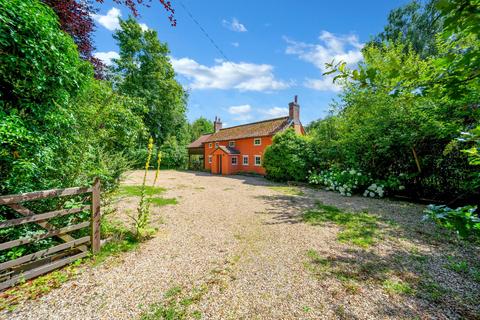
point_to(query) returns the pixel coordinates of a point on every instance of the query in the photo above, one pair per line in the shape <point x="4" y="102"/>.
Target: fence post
<point x="95" y="232"/>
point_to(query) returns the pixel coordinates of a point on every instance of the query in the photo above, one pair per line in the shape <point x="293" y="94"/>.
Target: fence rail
<point x="32" y="265"/>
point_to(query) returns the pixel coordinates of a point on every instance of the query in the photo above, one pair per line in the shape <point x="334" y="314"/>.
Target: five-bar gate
<point x="43" y="261"/>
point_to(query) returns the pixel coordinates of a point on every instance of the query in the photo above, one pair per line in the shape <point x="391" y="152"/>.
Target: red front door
<point x="219" y="164"/>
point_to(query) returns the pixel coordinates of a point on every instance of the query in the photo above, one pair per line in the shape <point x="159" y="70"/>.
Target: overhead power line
<point x="204" y="32"/>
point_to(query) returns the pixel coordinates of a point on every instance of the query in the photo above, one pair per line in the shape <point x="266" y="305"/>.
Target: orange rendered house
<point x="241" y="148"/>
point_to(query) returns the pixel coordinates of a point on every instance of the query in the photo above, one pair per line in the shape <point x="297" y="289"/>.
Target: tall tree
<point x="415" y="24"/>
<point x="199" y="127"/>
<point x="144" y="70"/>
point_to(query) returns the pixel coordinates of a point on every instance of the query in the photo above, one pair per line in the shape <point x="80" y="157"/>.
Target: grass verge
<point x="360" y="228"/>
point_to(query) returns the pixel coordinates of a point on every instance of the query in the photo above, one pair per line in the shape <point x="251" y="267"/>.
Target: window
<point x="257" y="141"/>
<point x="258" y="160"/>
<point x="209" y="159"/>
<point x="245" y="160"/>
<point x="216" y="144"/>
<point x="231" y="143"/>
<point x="210" y="145"/>
<point x="234" y="161"/>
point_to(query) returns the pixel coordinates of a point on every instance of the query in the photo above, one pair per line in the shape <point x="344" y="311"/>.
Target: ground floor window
<point x="258" y="160"/>
<point x="234" y="161"/>
<point x="245" y="160"/>
<point x="209" y="159"/>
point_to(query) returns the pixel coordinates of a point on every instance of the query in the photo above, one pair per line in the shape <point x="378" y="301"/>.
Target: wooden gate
<point x="43" y="261"/>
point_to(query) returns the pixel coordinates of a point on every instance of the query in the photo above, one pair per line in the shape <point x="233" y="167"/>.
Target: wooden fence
<point x="43" y="261"/>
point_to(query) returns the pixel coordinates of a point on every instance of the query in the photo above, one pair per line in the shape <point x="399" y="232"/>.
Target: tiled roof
<point x="199" y="142"/>
<point x="250" y="130"/>
<point x="228" y="150"/>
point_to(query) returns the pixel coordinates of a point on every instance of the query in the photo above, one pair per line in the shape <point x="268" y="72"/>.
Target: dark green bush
<point x="288" y="158"/>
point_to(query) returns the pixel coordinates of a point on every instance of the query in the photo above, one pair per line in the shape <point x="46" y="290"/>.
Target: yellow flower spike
<point x="159" y="159"/>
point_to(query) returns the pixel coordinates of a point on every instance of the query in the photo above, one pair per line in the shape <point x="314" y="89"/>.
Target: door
<point x="219" y="163"/>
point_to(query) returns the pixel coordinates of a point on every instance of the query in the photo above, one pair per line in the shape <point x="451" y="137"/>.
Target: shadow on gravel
<point x="252" y="180"/>
<point x="406" y="285"/>
<point x="286" y="208"/>
<point x="413" y="269"/>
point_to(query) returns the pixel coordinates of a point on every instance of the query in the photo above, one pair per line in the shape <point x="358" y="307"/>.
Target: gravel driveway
<point x="238" y="248"/>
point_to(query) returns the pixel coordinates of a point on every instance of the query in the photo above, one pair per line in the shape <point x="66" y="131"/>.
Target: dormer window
<point x="257" y="141"/>
<point x="216" y="144"/>
<point x="210" y="145"/>
<point x="231" y="143"/>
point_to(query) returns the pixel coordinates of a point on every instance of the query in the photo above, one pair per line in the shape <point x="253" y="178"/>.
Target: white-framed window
<point x="245" y="160"/>
<point x="257" y="141"/>
<point x="234" y="161"/>
<point x="258" y="160"/>
<point x="210" y="145"/>
<point x="209" y="159"/>
<point x="231" y="143"/>
<point x="216" y="144"/>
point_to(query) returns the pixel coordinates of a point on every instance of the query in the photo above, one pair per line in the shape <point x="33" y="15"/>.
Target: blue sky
<point x="275" y="50"/>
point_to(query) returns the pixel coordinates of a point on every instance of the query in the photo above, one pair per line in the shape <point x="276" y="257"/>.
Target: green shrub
<point x="174" y="155"/>
<point x="288" y="158"/>
<point x="462" y="220"/>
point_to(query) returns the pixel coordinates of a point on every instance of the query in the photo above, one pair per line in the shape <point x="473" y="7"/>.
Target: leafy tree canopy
<point x="144" y="71"/>
<point x="199" y="127"/>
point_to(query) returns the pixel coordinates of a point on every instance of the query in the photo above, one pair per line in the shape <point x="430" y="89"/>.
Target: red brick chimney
<point x="217" y="124"/>
<point x="294" y="111"/>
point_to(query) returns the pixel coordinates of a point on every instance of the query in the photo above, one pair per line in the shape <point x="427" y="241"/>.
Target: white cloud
<point x="275" y="112"/>
<point x="234" y="25"/>
<point x="346" y="48"/>
<point x="110" y="20"/>
<point x="235" y="44"/>
<point x="244" y="108"/>
<point x="143" y="26"/>
<point x="229" y="75"/>
<point x="106" y="57"/>
<point x="324" y="84"/>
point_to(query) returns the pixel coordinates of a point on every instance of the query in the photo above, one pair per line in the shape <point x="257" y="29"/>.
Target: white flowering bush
<point x="375" y="190"/>
<point x="346" y="182"/>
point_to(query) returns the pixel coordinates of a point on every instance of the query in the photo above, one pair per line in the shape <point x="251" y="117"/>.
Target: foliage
<point x="463" y="220"/>
<point x="288" y="158"/>
<point x="199" y="127"/>
<point x="387" y="132"/>
<point x="144" y="71"/>
<point x="174" y="155"/>
<point x="414" y="24"/>
<point x="76" y="19"/>
<point x="36" y="112"/>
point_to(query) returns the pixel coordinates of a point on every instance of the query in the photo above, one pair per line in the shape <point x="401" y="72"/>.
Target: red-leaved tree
<point x="75" y="17"/>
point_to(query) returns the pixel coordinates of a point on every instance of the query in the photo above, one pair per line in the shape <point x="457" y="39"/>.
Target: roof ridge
<point x="247" y="124"/>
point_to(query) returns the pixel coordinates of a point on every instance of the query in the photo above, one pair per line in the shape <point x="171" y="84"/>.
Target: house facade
<point x="241" y="148"/>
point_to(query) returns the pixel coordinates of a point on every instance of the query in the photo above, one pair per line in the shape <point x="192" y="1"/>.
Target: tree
<point x="416" y="25"/>
<point x="199" y="127"/>
<point x="144" y="71"/>
<point x="75" y="17"/>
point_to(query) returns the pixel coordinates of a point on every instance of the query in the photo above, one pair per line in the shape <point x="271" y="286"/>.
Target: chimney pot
<point x="217" y="124"/>
<point x="294" y="111"/>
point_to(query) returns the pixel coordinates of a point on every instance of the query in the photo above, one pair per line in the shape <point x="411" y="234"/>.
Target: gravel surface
<point x="244" y="245"/>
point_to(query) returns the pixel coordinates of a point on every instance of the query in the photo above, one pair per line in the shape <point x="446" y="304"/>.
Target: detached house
<point x="241" y="148"/>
